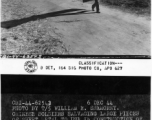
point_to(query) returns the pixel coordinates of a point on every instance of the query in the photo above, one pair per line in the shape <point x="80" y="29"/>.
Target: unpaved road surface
<point x="112" y="32"/>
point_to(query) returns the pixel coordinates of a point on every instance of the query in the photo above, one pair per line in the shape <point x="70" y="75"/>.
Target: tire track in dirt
<point x="105" y="33"/>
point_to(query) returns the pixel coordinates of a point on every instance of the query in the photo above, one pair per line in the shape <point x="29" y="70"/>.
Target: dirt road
<point x="112" y="32"/>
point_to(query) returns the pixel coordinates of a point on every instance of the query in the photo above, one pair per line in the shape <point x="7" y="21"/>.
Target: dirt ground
<point x="84" y="32"/>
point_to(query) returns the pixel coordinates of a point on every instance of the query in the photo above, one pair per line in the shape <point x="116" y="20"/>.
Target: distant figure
<point x="96" y="4"/>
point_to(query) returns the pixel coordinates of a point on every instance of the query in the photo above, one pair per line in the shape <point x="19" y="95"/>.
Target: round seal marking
<point x="30" y="66"/>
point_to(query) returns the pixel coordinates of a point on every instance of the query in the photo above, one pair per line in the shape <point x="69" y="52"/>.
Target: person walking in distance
<point x="96" y="4"/>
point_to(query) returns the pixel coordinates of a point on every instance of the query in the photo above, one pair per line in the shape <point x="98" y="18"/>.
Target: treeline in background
<point x="140" y="6"/>
<point x="128" y="3"/>
<point x="136" y="6"/>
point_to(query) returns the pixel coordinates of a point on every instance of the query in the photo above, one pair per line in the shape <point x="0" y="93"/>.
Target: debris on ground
<point x="32" y="37"/>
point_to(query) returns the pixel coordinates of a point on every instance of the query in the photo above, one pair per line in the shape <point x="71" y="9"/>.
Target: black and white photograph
<point x="75" y="97"/>
<point x="98" y="64"/>
<point x="75" y="27"/>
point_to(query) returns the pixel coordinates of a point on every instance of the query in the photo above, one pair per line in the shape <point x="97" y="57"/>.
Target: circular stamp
<point x="30" y="66"/>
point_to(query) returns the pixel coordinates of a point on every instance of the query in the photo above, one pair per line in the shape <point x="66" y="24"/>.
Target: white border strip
<point x="125" y="67"/>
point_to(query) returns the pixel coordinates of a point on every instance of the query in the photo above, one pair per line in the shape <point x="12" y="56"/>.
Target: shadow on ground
<point x="14" y="23"/>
